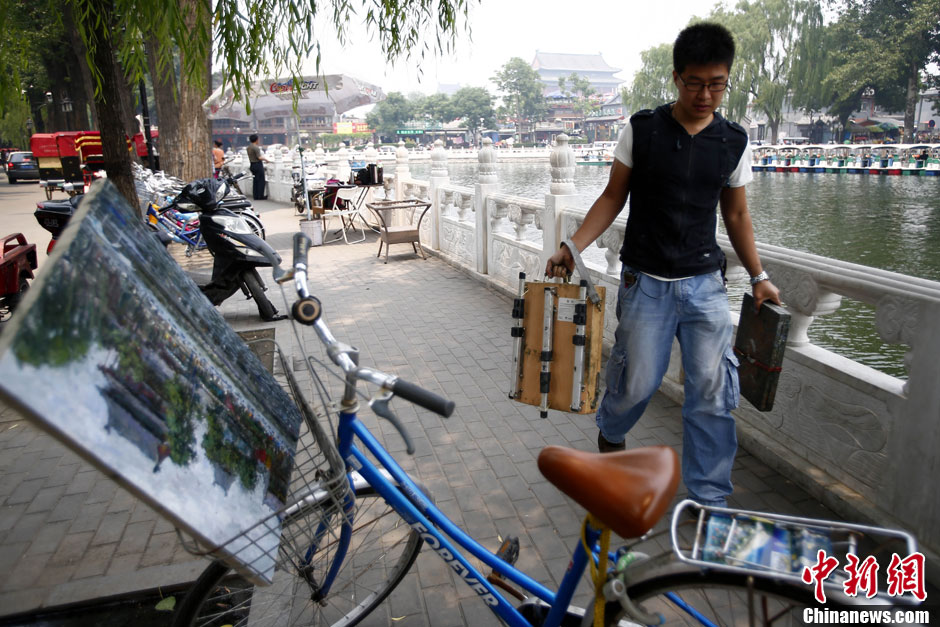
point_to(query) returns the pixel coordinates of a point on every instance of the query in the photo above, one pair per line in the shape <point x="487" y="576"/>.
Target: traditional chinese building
<point x="551" y="66"/>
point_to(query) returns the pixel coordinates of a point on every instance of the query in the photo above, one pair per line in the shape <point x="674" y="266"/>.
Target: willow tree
<point x="887" y="46"/>
<point x="249" y="40"/>
<point x="652" y="84"/>
<point x="768" y="35"/>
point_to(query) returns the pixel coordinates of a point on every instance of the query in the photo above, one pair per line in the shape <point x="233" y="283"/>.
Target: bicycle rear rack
<point x="759" y="543"/>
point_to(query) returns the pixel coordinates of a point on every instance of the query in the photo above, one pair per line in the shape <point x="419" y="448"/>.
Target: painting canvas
<point x="117" y="352"/>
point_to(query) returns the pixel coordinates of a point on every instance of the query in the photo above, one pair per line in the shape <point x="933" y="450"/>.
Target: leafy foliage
<point x="475" y="106"/>
<point x="883" y="45"/>
<point x="521" y="88"/>
<point x="769" y="35"/>
<point x="390" y="114"/>
<point x="581" y="93"/>
<point x="652" y="85"/>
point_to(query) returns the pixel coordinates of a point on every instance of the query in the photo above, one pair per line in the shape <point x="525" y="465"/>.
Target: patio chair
<point x="346" y="204"/>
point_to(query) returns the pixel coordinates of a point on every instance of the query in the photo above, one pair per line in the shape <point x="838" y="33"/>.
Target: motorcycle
<point x="238" y="252"/>
<point x="53" y="215"/>
<point x="17" y="262"/>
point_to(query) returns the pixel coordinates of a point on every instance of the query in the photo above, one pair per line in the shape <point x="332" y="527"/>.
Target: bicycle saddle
<point x="628" y="491"/>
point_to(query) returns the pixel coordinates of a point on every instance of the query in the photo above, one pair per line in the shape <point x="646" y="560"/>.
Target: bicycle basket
<point x="319" y="488"/>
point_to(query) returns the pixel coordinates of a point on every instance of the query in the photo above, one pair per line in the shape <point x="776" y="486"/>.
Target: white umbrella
<point x="273" y="98"/>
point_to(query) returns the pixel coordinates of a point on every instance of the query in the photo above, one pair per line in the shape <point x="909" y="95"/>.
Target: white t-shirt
<point x="742" y="174"/>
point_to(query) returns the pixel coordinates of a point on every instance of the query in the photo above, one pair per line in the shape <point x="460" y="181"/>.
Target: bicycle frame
<point x="185" y="234"/>
<point x="443" y="535"/>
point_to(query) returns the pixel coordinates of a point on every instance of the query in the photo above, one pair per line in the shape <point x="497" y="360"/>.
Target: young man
<point x="256" y="165"/>
<point x="677" y="163"/>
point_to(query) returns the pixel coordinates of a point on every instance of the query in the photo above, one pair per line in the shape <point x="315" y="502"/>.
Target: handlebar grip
<point x="419" y="396"/>
<point x="302" y="244"/>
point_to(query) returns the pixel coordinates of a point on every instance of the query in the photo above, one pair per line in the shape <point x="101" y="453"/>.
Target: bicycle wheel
<point x="721" y="598"/>
<point x="256" y="227"/>
<point x="382" y="550"/>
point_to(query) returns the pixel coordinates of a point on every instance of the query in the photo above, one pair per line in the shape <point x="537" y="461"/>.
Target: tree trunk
<point x="194" y="142"/>
<point x="83" y="97"/>
<point x="117" y="161"/>
<point x="910" y="104"/>
<point x="165" y="96"/>
<point x="774" y="124"/>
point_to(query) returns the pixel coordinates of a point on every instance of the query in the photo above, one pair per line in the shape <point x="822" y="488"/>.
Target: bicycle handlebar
<point x="425" y="398"/>
<point x="306" y="311"/>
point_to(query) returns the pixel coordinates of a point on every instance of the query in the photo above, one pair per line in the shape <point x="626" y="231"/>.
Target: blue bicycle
<point x="357" y="529"/>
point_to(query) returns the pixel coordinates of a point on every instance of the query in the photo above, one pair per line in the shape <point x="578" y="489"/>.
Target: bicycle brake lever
<point x="380" y="406"/>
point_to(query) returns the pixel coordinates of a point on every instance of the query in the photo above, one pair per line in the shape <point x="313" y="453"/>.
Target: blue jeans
<point x="695" y="310"/>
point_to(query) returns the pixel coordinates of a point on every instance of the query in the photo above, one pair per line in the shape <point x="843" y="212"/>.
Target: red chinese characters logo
<point x="907" y="575"/>
<point x="864" y="575"/>
<point x="903" y="575"/>
<point x="819" y="572"/>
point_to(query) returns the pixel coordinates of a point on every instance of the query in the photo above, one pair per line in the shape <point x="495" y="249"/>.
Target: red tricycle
<point x="17" y="262"/>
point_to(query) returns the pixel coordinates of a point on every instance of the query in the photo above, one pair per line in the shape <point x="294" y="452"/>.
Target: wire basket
<point x="318" y="492"/>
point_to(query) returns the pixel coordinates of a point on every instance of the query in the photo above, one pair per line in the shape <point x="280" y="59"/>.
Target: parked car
<point x="21" y="166"/>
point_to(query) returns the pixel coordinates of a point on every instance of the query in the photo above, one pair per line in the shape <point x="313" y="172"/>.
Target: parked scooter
<point x="237" y="250"/>
<point x="53" y="215"/>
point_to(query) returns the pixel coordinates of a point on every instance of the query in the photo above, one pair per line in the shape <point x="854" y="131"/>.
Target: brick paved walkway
<point x="69" y="534"/>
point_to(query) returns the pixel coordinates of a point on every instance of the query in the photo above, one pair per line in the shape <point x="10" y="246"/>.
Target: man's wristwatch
<point x="763" y="276"/>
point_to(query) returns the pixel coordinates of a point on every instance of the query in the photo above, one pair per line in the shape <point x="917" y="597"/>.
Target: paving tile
<point x="25" y="491"/>
<point x="95" y="561"/>
<point x="83" y="482"/>
<point x="88" y="518"/>
<point x="72" y="548"/>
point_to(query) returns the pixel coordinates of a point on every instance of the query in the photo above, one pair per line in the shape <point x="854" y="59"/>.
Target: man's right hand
<point x="561" y="264"/>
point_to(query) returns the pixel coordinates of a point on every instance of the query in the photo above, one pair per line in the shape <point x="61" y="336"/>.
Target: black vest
<point x="675" y="185"/>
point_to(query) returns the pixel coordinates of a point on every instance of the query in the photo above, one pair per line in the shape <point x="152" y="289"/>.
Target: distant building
<point x="551" y="66"/>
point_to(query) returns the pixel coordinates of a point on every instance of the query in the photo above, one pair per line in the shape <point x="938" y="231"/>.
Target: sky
<point x="502" y="29"/>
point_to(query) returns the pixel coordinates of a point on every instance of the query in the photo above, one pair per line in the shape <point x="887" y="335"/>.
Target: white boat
<point x="594" y="158"/>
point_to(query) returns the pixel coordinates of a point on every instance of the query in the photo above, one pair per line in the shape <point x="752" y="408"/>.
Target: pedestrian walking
<point x="678" y="163"/>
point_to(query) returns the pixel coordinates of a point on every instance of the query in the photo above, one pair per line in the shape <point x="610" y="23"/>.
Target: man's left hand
<point x="765" y="290"/>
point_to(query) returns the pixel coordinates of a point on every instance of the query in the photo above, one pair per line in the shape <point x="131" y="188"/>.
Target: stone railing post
<point x="439" y="178"/>
<point x="319" y="155"/>
<point x="342" y="163"/>
<point x="561" y="194"/>
<point x="486" y="184"/>
<point x="371" y="154"/>
<point x="401" y="169"/>
<point x="805" y="300"/>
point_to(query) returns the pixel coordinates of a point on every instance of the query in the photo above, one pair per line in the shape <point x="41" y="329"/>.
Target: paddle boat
<point x="594" y="158"/>
<point x="884" y="160"/>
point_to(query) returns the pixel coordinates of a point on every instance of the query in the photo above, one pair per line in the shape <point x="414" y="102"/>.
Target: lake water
<point x="887" y="222"/>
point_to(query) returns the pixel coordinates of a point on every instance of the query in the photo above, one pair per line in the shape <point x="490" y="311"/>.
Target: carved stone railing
<point x="862" y="441"/>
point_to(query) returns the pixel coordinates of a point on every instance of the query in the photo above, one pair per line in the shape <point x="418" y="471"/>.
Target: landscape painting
<point x="117" y="352"/>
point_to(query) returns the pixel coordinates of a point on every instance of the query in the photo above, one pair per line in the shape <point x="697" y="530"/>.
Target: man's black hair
<point x="218" y="143"/>
<point x="704" y="43"/>
<point x="252" y="138"/>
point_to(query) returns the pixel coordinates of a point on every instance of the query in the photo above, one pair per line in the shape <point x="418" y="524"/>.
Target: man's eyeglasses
<point x="696" y="86"/>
